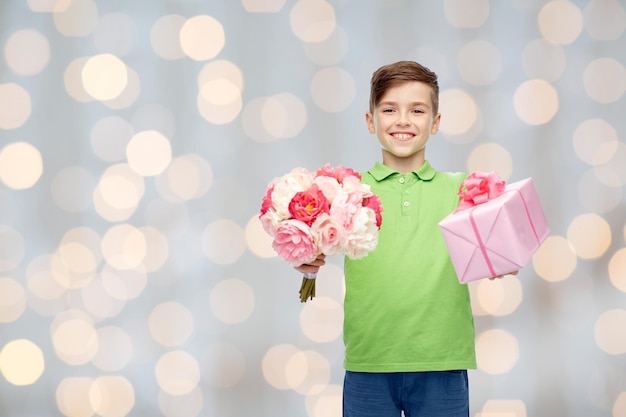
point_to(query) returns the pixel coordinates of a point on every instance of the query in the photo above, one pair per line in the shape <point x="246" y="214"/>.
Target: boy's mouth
<point x="402" y="136"/>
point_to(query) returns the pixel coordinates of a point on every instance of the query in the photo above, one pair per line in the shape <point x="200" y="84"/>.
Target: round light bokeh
<point x="608" y="331"/>
<point x="15" y="106"/>
<point x="171" y="324"/>
<point x="194" y="34"/>
<point x="27" y="52"/>
<point x="104" y="76"/>
<point x="459" y="112"/>
<point x="333" y="89"/>
<point x="555" y="260"/>
<point x="222" y="306"/>
<point x="223" y="241"/>
<point x="312" y="20"/>
<point x="22" y="362"/>
<point x="497" y="351"/>
<point x="560" y="22"/>
<point x="536" y="102"/>
<point x="177" y="372"/>
<point x="21" y="165"/>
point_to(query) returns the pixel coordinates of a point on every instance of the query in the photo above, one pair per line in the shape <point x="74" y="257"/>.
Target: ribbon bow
<point x="479" y="187"/>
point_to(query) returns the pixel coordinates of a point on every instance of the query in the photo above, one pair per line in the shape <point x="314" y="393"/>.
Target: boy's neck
<point x="404" y="165"/>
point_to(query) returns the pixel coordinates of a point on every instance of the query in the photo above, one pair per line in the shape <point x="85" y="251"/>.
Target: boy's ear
<point x="435" y="126"/>
<point x="369" y="119"/>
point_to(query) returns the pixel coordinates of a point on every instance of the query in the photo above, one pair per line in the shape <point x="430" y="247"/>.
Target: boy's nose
<point x="403" y="119"/>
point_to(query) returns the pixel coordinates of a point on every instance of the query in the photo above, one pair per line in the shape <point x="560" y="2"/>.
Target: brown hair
<point x="400" y="72"/>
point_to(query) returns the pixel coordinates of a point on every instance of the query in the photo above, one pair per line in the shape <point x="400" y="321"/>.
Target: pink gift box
<point x="498" y="236"/>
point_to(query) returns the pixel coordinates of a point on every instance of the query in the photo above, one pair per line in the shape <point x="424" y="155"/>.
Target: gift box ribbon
<point x="478" y="188"/>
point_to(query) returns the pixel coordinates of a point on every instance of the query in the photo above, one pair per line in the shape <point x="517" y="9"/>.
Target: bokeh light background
<point x="136" y="141"/>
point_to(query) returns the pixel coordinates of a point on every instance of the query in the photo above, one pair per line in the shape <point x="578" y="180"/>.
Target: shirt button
<point x="406" y="204"/>
<point x="401" y="180"/>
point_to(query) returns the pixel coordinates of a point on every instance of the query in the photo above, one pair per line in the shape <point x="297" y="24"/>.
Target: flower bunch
<point x="479" y="187"/>
<point x="324" y="212"/>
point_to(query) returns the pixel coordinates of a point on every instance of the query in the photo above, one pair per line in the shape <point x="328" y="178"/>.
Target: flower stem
<point x="307" y="289"/>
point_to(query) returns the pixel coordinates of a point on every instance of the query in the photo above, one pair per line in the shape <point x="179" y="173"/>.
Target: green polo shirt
<point x="405" y="310"/>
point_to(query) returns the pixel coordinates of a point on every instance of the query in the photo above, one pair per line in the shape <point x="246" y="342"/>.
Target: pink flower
<point x="329" y="186"/>
<point x="307" y="205"/>
<point x="479" y="187"/>
<point x="329" y="234"/>
<point x="266" y="204"/>
<point x="345" y="206"/>
<point x="375" y="204"/>
<point x="339" y="173"/>
<point x="294" y="244"/>
<point x="285" y="187"/>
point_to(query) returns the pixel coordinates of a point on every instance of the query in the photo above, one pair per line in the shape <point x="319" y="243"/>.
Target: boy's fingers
<point x="503" y="275"/>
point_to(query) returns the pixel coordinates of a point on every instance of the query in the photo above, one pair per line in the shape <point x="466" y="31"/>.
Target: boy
<point x="408" y="326"/>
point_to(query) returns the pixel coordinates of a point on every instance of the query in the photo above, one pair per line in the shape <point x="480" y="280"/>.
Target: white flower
<point x="344" y="208"/>
<point x="363" y="237"/>
<point x="270" y="221"/>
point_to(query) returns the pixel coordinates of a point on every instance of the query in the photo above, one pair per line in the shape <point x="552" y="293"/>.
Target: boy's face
<point x="403" y="121"/>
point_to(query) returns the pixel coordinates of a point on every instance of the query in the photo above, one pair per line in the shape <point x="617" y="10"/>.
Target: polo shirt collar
<point x="380" y="171"/>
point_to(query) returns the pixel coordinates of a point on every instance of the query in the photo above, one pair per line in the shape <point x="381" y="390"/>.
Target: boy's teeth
<point x="402" y="135"/>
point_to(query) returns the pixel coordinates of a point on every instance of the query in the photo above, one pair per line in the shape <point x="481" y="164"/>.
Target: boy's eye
<point x="418" y="111"/>
<point x="387" y="110"/>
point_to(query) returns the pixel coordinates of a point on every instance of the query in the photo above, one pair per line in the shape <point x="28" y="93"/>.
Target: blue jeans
<point x="417" y="394"/>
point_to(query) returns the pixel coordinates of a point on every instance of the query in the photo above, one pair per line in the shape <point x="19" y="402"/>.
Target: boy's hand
<point x="313" y="266"/>
<point x="503" y="275"/>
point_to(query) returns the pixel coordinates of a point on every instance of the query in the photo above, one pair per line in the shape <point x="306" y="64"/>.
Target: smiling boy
<point x="408" y="324"/>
